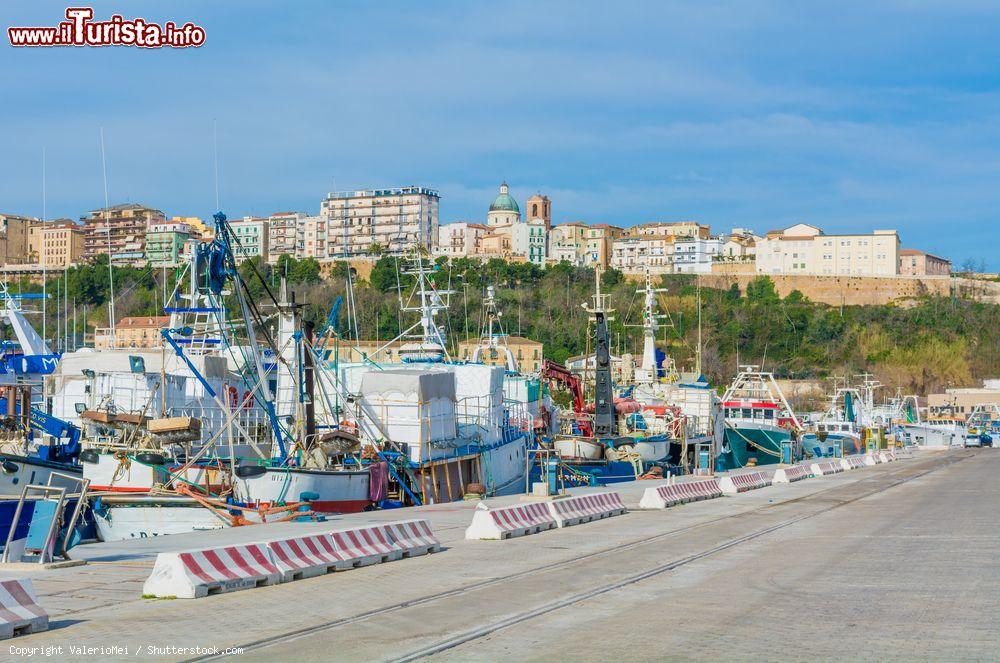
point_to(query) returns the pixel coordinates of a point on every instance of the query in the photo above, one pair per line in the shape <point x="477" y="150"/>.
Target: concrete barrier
<point x="413" y="537"/>
<point x="790" y="474"/>
<point x="852" y="463"/>
<point x="663" y="496"/>
<point x="508" y="521"/>
<point x="579" y="509"/>
<point x="197" y="573"/>
<point x="825" y="467"/>
<point x="366" y="545"/>
<point x="308" y="556"/>
<point x="20" y="613"/>
<point x="871" y="460"/>
<point x="740" y="483"/>
<point x="883" y="457"/>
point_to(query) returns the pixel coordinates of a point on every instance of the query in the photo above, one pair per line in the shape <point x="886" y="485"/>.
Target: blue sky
<point x="752" y="114"/>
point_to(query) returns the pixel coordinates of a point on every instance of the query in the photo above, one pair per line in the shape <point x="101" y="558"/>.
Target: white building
<point x="568" y="241"/>
<point x="528" y="240"/>
<point x="635" y="255"/>
<point x="694" y="255"/>
<point x="461" y="239"/>
<point x="805" y="249"/>
<point x="395" y="220"/>
<point x="282" y="233"/>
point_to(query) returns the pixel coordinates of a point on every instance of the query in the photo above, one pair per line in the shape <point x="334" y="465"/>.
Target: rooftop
<point x="137" y="322"/>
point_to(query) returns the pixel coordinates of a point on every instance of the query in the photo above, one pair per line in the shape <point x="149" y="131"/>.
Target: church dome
<point x="504" y="202"/>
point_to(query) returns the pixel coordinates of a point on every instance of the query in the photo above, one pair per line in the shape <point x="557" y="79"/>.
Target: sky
<point x="846" y="115"/>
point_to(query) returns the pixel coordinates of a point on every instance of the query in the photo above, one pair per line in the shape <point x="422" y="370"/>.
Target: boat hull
<point x="505" y="463"/>
<point x="744" y="442"/>
<point x="336" y="491"/>
<point x="142" y="517"/>
<point x="33" y="471"/>
<point x="578" y="447"/>
<point x="653" y="450"/>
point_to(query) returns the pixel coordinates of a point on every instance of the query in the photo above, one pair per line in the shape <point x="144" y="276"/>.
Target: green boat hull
<point x="746" y="443"/>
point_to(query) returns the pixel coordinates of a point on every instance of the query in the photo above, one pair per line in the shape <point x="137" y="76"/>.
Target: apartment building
<point x="282" y="229"/>
<point x="165" y="243"/>
<point x="15" y="239"/>
<point x="598" y="243"/>
<point x="396" y="220"/>
<point x="917" y="263"/>
<point x="806" y="249"/>
<point x="312" y="239"/>
<point x="567" y="242"/>
<point x="251" y="238"/>
<point x="637" y="254"/>
<point x="120" y="232"/>
<point x="461" y="239"/>
<point x="695" y="255"/>
<point x="56" y="244"/>
<point x="132" y="332"/>
<point x="671" y="229"/>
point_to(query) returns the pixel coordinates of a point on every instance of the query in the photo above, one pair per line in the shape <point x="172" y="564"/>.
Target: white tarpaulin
<point x="412" y="406"/>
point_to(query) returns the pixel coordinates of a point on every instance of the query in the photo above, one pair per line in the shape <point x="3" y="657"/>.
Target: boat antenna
<point x="697" y="368"/>
<point x="42" y="243"/>
<point x="107" y="228"/>
<point x="215" y="148"/>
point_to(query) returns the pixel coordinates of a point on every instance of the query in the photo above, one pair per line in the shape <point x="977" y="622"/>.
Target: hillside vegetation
<point x="933" y="343"/>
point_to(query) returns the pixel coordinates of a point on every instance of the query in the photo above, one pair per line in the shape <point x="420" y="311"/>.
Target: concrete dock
<point x="892" y="562"/>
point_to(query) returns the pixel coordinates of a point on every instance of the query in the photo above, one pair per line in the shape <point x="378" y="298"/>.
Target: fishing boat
<point x="838" y="431"/>
<point x="681" y="407"/>
<point x="612" y="438"/>
<point x="759" y="422"/>
<point x="442" y="424"/>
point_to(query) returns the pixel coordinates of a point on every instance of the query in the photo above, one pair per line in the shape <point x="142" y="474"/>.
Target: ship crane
<point x="559" y="374"/>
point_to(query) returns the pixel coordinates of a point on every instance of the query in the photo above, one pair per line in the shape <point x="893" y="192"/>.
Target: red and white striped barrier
<point x="666" y="495"/>
<point x="825" y="467"/>
<point x="883" y="457"/>
<point x="366" y="545"/>
<point x="20" y="613"/>
<point x="740" y="483"/>
<point x="790" y="474"/>
<point x="871" y="460"/>
<point x="413" y="537"/>
<point x="852" y="463"/>
<point x="505" y="522"/>
<point x="308" y="556"/>
<point x="197" y="573"/>
<point x="578" y="509"/>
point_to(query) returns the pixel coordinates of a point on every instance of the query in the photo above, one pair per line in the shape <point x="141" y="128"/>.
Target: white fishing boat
<point x="454" y="423"/>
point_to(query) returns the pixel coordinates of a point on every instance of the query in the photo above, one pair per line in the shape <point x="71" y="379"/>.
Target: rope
<point x="752" y="443"/>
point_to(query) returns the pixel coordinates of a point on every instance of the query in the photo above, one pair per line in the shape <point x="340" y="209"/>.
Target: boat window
<point x="745" y="412"/>
<point x="758" y="413"/>
<point x="769" y="414"/>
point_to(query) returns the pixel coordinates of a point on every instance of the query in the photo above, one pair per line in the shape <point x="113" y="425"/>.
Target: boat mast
<point x="650" y="325"/>
<point x="493" y="340"/>
<point x="605" y="421"/>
